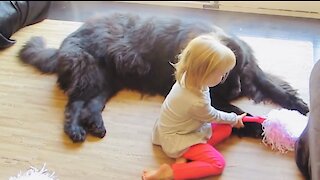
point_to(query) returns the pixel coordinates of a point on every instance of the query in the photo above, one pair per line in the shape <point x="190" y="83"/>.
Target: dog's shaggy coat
<point x="110" y="53"/>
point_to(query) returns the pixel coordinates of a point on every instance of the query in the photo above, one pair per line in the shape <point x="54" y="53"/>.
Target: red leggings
<point x="205" y="159"/>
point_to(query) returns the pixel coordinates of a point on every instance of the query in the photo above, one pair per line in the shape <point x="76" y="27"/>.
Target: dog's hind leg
<point x="72" y="125"/>
<point x="91" y="117"/>
<point x="81" y="77"/>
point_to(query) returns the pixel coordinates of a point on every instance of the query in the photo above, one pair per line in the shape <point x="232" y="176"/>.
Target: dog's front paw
<point x="302" y="107"/>
<point x="75" y="132"/>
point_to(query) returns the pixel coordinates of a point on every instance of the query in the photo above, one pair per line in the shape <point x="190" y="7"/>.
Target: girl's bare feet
<point x="165" y="172"/>
<point x="181" y="160"/>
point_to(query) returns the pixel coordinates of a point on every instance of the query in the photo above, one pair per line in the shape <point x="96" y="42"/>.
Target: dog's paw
<point x="302" y="107"/>
<point x="94" y="125"/>
<point x="75" y="132"/>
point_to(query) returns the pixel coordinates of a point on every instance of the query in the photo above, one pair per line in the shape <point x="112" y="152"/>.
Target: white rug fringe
<point x="35" y="174"/>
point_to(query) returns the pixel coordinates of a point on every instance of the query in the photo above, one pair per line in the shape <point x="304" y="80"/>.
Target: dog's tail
<point x="36" y="54"/>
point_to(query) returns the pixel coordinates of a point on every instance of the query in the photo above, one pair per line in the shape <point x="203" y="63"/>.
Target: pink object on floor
<point x="258" y="119"/>
<point x="281" y="128"/>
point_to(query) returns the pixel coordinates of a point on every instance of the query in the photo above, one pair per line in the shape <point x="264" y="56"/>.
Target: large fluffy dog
<point x="110" y="53"/>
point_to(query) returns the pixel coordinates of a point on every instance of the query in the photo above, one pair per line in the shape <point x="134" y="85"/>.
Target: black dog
<point x="110" y="53"/>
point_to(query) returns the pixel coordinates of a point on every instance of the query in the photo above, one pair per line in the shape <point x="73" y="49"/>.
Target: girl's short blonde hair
<point x="202" y="56"/>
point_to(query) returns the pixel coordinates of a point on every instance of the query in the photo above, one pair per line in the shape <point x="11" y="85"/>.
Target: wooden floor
<point x="31" y="126"/>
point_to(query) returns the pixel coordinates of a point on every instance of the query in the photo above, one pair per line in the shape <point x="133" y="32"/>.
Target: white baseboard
<point x="269" y="11"/>
<point x="234" y="8"/>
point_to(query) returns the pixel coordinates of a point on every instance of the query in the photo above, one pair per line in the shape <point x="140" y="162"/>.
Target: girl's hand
<point x="239" y="123"/>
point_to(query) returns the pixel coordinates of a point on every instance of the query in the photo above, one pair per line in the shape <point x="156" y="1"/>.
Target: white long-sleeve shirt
<point x="185" y="120"/>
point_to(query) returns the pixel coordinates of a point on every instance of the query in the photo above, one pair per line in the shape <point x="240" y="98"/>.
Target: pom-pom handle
<point x="257" y="119"/>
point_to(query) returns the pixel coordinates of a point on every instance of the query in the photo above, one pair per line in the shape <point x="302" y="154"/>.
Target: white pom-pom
<point x="35" y="174"/>
<point x="282" y="128"/>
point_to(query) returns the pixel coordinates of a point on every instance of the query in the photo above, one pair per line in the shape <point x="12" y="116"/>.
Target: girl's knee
<point x="220" y="132"/>
<point x="226" y="127"/>
<point x="220" y="165"/>
<point x="228" y="130"/>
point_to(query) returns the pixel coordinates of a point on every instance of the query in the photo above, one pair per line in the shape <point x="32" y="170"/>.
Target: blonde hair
<point x="202" y="56"/>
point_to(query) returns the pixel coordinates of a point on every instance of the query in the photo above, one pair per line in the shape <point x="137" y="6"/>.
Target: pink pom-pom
<point x="282" y="128"/>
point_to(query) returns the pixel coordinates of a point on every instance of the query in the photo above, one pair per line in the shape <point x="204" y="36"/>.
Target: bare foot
<point x="181" y="160"/>
<point x="163" y="173"/>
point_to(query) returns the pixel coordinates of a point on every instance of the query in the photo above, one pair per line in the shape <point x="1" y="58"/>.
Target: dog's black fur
<point x="110" y="53"/>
